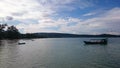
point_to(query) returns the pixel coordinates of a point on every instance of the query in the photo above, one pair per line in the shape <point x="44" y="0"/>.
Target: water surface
<point x="59" y="53"/>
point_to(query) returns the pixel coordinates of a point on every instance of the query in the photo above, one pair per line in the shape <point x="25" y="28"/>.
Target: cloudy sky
<point x="63" y="16"/>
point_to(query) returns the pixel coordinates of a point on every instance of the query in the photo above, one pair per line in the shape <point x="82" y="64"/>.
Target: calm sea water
<point x="59" y="53"/>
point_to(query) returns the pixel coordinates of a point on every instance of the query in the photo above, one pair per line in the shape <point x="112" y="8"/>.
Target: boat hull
<point x="21" y="43"/>
<point x="88" y="42"/>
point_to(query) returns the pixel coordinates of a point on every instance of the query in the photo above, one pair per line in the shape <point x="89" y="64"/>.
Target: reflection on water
<point x="59" y="53"/>
<point x="8" y="52"/>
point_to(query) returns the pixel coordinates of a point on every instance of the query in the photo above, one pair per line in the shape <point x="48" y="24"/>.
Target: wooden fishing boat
<point x="96" y="41"/>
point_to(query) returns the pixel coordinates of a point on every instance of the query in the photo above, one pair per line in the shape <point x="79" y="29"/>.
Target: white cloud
<point x="107" y="22"/>
<point x="25" y="8"/>
<point x="89" y="14"/>
<point x="37" y="16"/>
<point x="36" y="8"/>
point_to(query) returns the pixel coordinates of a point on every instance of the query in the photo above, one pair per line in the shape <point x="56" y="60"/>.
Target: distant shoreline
<point x="60" y="35"/>
<point x="64" y="35"/>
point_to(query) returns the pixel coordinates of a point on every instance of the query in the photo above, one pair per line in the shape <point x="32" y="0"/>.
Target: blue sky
<point x="63" y="16"/>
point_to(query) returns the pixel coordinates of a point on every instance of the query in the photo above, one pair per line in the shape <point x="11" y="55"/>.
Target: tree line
<point x="11" y="32"/>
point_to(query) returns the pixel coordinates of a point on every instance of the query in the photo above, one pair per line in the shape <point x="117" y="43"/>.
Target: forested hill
<point x="65" y="35"/>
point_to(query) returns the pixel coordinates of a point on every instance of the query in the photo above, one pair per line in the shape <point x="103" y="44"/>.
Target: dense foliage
<point x="9" y="32"/>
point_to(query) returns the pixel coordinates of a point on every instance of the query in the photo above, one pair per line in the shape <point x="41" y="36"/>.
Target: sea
<point x="59" y="53"/>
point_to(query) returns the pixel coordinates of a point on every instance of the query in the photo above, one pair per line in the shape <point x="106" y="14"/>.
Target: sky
<point x="62" y="16"/>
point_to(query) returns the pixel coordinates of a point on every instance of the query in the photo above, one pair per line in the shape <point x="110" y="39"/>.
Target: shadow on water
<point x="8" y="42"/>
<point x="0" y="42"/>
<point x="9" y="52"/>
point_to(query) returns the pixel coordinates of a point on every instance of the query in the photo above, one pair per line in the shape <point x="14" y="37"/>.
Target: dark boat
<point x="96" y="41"/>
<point x="21" y="43"/>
